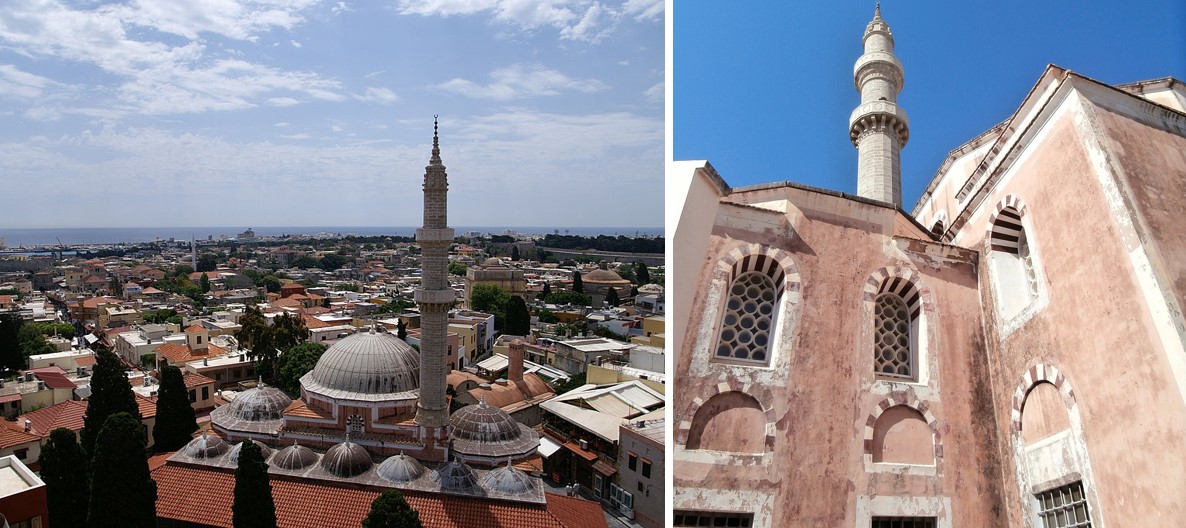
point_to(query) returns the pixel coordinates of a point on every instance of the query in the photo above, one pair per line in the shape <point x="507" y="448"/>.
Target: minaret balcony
<point x="881" y="63"/>
<point x="425" y="234"/>
<point x="435" y="296"/>
<point x="879" y="114"/>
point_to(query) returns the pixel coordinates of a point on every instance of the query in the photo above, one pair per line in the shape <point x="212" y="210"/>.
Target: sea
<point x="18" y="237"/>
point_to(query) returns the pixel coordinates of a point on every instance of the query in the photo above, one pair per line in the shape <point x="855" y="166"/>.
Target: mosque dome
<point x="233" y="455"/>
<point x="347" y="459"/>
<point x="259" y="404"/>
<point x="484" y="423"/>
<point x="206" y="446"/>
<point x="603" y="275"/>
<point x="294" y="457"/>
<point x="492" y="262"/>
<point x="364" y="365"/>
<point x="400" y="468"/>
<point x="507" y="480"/>
<point x="456" y="476"/>
<point x="485" y="432"/>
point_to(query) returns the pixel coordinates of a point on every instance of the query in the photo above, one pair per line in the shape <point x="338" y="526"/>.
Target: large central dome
<point x="364" y="365"/>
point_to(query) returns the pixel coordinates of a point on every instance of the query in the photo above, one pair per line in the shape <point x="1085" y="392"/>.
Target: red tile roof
<point x="301" y="503"/>
<point x="195" y="380"/>
<point x="194" y="328"/>
<point x="69" y="414"/>
<point x="54" y="377"/>
<point x="13" y="434"/>
<point x="178" y="353"/>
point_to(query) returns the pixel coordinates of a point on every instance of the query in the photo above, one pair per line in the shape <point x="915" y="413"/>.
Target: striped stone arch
<point x="756" y="391"/>
<point x="908" y="399"/>
<point x="1004" y="224"/>
<point x="1036" y="374"/>
<point x="940" y="224"/>
<point x="905" y="282"/>
<point x="774" y="262"/>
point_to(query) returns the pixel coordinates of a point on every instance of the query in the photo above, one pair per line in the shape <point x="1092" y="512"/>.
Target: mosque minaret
<point x="879" y="127"/>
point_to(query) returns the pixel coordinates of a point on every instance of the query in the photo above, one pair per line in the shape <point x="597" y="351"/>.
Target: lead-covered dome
<point x="456" y="476"/>
<point x="233" y="455"/>
<point x="508" y="480"/>
<point x="294" y="457"/>
<point x="206" y="446"/>
<point x="261" y="403"/>
<point x="346" y="459"/>
<point x="365" y="365"/>
<point x="486" y="433"/>
<point x="400" y="468"/>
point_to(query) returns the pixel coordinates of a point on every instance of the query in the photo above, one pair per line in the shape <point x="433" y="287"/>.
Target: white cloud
<point x="655" y="94"/>
<point x="340" y="7"/>
<point x="296" y="136"/>
<point x="282" y="101"/>
<point x="378" y="95"/>
<point x="584" y="20"/>
<point x="155" y="77"/>
<point x="21" y="84"/>
<point x="295" y="44"/>
<point x="281" y="124"/>
<point x="522" y="80"/>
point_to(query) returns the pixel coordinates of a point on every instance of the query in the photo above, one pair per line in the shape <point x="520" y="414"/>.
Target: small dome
<point x="400" y="468"/>
<point x="363" y="365"/>
<point x="492" y="262"/>
<point x="602" y="274"/>
<point x="347" y="459"/>
<point x="206" y="446"/>
<point x="508" y="480"/>
<point x="264" y="451"/>
<point x="484" y="423"/>
<point x="261" y="403"/>
<point x="456" y="476"/>
<point x="294" y="457"/>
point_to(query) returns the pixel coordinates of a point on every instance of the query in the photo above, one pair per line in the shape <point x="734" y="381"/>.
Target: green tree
<point x="570" y="297"/>
<point x="296" y="363"/>
<point x="515" y="252"/>
<point x="489" y="298"/>
<point x="175" y="421"/>
<point x="546" y="316"/>
<point x="611" y="297"/>
<point x="271" y="283"/>
<point x="289" y="331"/>
<point x="457" y="268"/>
<point x="115" y="287"/>
<point x="183" y="270"/>
<point x="207" y="262"/>
<point x="255" y="335"/>
<point x="333" y="261"/>
<point x="253" y="506"/>
<point x="577" y="285"/>
<point x="32" y="341"/>
<point x="305" y="262"/>
<point x="570" y="384"/>
<point x="63" y="468"/>
<point x="518" y="317"/>
<point x="110" y="394"/>
<point x="204" y="283"/>
<point x="123" y="493"/>
<point x="543" y="295"/>
<point x="390" y="510"/>
<point x="401" y="329"/>
<point x="642" y="273"/>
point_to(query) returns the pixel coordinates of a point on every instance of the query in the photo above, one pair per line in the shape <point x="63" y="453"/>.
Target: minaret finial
<point x="877" y="10"/>
<point x="436" y="143"/>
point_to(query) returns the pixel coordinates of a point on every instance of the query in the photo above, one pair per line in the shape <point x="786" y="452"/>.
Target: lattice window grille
<point x="1064" y="507"/>
<point x="355" y="423"/>
<point x="903" y="522"/>
<point x="748" y="325"/>
<point x="1027" y="263"/>
<point x="714" y="519"/>
<point x="893" y="354"/>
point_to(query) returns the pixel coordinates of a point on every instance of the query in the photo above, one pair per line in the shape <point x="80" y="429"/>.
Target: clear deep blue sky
<point x="763" y="89"/>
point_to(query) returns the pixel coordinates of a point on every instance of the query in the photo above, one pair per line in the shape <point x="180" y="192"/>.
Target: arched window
<point x="730" y="421"/>
<point x="896" y="330"/>
<point x="938" y="228"/>
<point x="1012" y="262"/>
<point x="751" y="311"/>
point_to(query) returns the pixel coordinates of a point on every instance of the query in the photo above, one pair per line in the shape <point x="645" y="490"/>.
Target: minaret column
<point x="878" y="128"/>
<point x="434" y="297"/>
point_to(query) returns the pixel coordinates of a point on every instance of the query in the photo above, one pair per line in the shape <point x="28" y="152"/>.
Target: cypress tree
<point x="63" y="468"/>
<point x="253" y="506"/>
<point x="390" y="510"/>
<point x="543" y="295"/>
<point x="175" y="420"/>
<point x="577" y="286"/>
<point x="401" y="329"/>
<point x="123" y="494"/>
<point x="110" y="394"/>
<point x="611" y="297"/>
<point x="515" y="253"/>
<point x="518" y="317"/>
<point x="641" y="272"/>
<point x="204" y="283"/>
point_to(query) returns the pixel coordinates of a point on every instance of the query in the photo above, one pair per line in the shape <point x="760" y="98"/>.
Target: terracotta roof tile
<point x="178" y="353"/>
<point x="194" y="328"/>
<point x="301" y="503"/>
<point x="195" y="380"/>
<point x="13" y="434"/>
<point x="54" y="377"/>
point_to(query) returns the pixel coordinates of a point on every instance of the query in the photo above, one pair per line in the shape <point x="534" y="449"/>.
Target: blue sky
<point x="763" y="89"/>
<point x="319" y="112"/>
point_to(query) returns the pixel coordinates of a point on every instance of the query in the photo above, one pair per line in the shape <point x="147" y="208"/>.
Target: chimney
<point x="515" y="366"/>
<point x="28" y="425"/>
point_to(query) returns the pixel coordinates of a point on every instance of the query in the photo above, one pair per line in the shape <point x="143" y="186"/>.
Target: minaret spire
<point x="434" y="296"/>
<point x="878" y="127"/>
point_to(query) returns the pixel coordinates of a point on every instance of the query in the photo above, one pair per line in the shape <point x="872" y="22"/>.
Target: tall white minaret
<point x="193" y="251"/>
<point x="434" y="297"/>
<point x="878" y="127"/>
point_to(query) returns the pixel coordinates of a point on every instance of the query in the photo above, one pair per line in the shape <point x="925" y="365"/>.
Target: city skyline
<point x="246" y="113"/>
